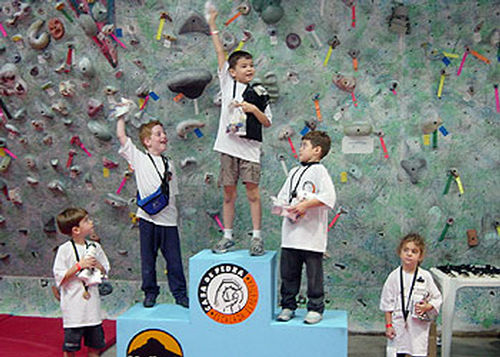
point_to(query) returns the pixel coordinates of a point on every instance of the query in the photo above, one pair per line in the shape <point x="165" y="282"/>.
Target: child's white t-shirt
<point x="310" y="231"/>
<point x="228" y="143"/>
<point x="77" y="311"/>
<point x="148" y="181"/>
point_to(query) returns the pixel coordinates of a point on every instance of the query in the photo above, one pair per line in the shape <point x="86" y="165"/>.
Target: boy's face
<point x="308" y="153"/>
<point x="244" y="71"/>
<point x="157" y="142"/>
<point x="85" y="227"/>
<point x="410" y="255"/>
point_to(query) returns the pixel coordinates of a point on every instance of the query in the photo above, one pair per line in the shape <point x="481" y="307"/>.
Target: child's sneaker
<point x="256" y="247"/>
<point x="313" y="317"/>
<point x="223" y="246"/>
<point x="285" y="315"/>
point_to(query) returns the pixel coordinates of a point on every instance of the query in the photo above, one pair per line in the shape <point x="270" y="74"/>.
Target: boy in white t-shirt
<point x="80" y="303"/>
<point x="244" y="112"/>
<point x="156" y="231"/>
<point x="305" y="199"/>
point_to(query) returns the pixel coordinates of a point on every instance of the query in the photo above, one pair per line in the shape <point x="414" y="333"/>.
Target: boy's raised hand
<point x="210" y="13"/>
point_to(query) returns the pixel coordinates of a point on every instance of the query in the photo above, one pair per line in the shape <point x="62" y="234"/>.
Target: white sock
<point x="228" y="233"/>
<point x="256" y="233"/>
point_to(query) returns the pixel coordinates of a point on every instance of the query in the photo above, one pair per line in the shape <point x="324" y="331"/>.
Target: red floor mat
<point x="40" y="336"/>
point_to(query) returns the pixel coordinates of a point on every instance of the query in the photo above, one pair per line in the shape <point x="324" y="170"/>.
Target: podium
<point x="233" y="306"/>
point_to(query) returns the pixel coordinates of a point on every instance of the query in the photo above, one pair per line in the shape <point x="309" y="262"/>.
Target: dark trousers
<point x="291" y="271"/>
<point x="166" y="239"/>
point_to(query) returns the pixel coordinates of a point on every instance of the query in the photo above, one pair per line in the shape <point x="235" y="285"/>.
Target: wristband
<point x="388" y="325"/>
<point x="78" y="267"/>
<point x="214" y="32"/>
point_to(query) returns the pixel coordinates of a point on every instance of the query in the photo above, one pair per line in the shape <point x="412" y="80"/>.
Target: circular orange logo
<point x="154" y="343"/>
<point x="228" y="294"/>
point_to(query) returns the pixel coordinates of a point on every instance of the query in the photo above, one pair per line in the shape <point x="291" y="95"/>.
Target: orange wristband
<point x="388" y="325"/>
<point x="78" y="267"/>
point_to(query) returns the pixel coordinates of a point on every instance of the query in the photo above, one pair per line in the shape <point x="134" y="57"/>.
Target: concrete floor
<point x="374" y="346"/>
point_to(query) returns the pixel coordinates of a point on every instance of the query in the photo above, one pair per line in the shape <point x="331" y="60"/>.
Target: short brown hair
<point x="416" y="239"/>
<point x="70" y="218"/>
<point x="146" y="130"/>
<point x="321" y="139"/>
<point x="236" y="55"/>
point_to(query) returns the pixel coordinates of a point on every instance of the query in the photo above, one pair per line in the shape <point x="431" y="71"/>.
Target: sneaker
<point x="149" y="301"/>
<point x="313" y="317"/>
<point x="285" y="315"/>
<point x="256" y="247"/>
<point x="184" y="302"/>
<point x="223" y="246"/>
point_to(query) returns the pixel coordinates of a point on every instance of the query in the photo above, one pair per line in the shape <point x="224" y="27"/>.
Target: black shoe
<point x="149" y="301"/>
<point x="184" y="302"/>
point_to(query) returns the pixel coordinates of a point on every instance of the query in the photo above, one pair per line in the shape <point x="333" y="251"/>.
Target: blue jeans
<point x="166" y="239"/>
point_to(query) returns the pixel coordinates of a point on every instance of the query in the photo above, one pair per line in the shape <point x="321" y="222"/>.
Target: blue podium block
<point x="232" y="313"/>
<point x="262" y="269"/>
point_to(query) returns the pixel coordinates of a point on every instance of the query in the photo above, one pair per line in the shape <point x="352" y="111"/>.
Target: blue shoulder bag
<point x="158" y="200"/>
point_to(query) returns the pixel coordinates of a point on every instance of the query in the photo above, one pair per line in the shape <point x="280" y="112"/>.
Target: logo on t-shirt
<point x="228" y="294"/>
<point x="154" y="343"/>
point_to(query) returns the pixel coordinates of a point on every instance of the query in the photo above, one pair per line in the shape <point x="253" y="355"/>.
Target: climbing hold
<point x="189" y="161"/>
<point x="293" y="41"/>
<point x="285" y="132"/>
<point x="195" y="23"/>
<point x="10" y="81"/>
<point x="190" y="82"/>
<point x="344" y="83"/>
<point x="86" y="67"/>
<point x="36" y="40"/>
<point x="99" y="130"/>
<point x="358" y="130"/>
<point x="431" y="125"/>
<point x="115" y="201"/>
<point x="56" y="28"/>
<point x="186" y="126"/>
<point x="94" y="106"/>
<point x="413" y="168"/>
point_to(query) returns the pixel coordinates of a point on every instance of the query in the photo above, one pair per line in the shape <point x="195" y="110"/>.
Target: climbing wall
<point x="407" y="91"/>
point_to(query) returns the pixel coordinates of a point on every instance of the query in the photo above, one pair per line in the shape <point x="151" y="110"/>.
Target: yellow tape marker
<point x="459" y="184"/>
<point x="450" y="55"/>
<point x="441" y="83"/>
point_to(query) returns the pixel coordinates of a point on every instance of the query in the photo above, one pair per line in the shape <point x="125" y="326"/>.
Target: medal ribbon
<point x="86" y="293"/>
<point x="405" y="308"/>
<point x="293" y="192"/>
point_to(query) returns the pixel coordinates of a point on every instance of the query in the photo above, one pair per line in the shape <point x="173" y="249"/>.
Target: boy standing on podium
<point x="304" y="200"/>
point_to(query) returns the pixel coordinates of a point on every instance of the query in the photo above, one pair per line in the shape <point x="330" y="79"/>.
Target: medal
<point x="405" y="308"/>
<point x="86" y="294"/>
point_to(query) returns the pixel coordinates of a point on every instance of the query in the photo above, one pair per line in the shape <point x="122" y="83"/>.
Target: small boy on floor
<point x="80" y="301"/>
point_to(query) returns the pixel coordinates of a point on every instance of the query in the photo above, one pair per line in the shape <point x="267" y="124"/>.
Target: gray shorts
<point x="233" y="168"/>
<point x="93" y="338"/>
